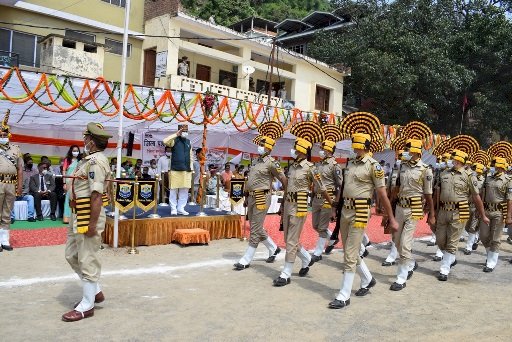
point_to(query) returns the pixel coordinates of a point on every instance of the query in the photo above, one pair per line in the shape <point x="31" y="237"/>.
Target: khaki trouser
<point x="256" y="220"/>
<point x="321" y="217"/>
<point x="292" y="226"/>
<point x="490" y="235"/>
<point x="472" y="224"/>
<point x="403" y="237"/>
<point x="448" y="230"/>
<point x="7" y="198"/>
<point x="81" y="251"/>
<point x="351" y="238"/>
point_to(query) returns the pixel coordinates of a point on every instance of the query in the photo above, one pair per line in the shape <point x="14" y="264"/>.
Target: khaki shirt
<point x="301" y="175"/>
<point x="498" y="188"/>
<point x="362" y="177"/>
<point x="457" y="185"/>
<point x="391" y="181"/>
<point x="330" y="173"/>
<point x="262" y="173"/>
<point x="6" y="166"/>
<point x="479" y="185"/>
<point x="93" y="171"/>
<point x="415" y="180"/>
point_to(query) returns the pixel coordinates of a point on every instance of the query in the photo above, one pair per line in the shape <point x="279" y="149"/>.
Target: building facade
<point x="93" y="25"/>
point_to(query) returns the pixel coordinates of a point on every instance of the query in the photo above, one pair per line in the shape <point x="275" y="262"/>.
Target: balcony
<point x="197" y="86"/>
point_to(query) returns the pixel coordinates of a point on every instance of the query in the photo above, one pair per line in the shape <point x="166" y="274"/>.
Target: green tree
<point x="419" y="60"/>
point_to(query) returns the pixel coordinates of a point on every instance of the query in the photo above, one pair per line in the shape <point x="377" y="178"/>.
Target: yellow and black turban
<point x="307" y="133"/>
<point x="460" y="156"/>
<point x="478" y="167"/>
<point x="361" y="141"/>
<point x="501" y="149"/>
<point x="398" y="143"/>
<point x="363" y="127"/>
<point x="464" y="143"/>
<point x="415" y="132"/>
<point x="414" y="145"/>
<point x="269" y="132"/>
<point x="499" y="162"/>
<point x="332" y="134"/>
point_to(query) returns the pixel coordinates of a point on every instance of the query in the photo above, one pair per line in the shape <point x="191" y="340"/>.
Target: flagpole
<point x="121" y="113"/>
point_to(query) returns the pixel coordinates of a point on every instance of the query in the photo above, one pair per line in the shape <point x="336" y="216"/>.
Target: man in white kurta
<point x="180" y="169"/>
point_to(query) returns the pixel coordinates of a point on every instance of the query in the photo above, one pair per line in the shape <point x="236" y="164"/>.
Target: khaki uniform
<point x="9" y="161"/>
<point x="497" y="192"/>
<point x="361" y="178"/>
<point x="472" y="224"/>
<point x="415" y="181"/>
<point x="263" y="171"/>
<point x="300" y="178"/>
<point x="456" y="186"/>
<point x="331" y="175"/>
<point x="93" y="171"/>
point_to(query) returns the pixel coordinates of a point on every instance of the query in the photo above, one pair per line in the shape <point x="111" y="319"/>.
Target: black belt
<point x="449" y="206"/>
<point x="253" y="193"/>
<point x="10" y="179"/>
<point x="350" y="203"/>
<point x="494" y="206"/>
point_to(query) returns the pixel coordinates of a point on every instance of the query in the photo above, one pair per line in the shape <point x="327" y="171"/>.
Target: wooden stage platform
<point x="159" y="231"/>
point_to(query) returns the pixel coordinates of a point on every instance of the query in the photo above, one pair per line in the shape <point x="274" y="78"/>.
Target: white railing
<point x="197" y="86"/>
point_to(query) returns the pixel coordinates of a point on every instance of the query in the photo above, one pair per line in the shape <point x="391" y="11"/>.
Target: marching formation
<point x="467" y="189"/>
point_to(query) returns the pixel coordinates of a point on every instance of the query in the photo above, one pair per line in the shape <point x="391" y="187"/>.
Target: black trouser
<point x="52" y="196"/>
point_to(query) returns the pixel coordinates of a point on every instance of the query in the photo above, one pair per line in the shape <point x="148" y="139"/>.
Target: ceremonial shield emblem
<point x="238" y="190"/>
<point x="146" y="191"/>
<point x="125" y="190"/>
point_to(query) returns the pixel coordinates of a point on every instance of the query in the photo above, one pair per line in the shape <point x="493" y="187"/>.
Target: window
<point x="116" y="47"/>
<point x="322" y="98"/>
<point x="23" y="44"/>
<point x="298" y="49"/>
<point x="120" y="3"/>
<point x="84" y="37"/>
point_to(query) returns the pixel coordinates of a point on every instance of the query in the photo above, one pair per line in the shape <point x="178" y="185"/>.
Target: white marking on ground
<point x="17" y="282"/>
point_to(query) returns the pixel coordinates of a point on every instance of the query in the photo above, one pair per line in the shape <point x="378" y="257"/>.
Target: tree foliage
<point x="420" y="60"/>
<point x="227" y="12"/>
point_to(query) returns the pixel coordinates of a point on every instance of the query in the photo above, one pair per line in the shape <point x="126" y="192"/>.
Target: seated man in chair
<point x="25" y="196"/>
<point x="42" y="186"/>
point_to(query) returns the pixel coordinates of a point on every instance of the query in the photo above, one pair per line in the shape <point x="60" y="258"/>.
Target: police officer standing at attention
<point x="457" y="184"/>
<point x="87" y="185"/>
<point x="11" y="181"/>
<point x="331" y="174"/>
<point x="363" y="175"/>
<point x="498" y="205"/>
<point x="479" y="159"/>
<point x="258" y="194"/>
<point x="301" y="175"/>
<point x="415" y="184"/>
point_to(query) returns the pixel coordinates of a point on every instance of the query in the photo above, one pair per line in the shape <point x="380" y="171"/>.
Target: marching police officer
<point x="87" y="186"/>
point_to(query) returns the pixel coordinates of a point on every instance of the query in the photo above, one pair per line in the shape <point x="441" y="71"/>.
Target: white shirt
<point x="153" y="172"/>
<point x="163" y="164"/>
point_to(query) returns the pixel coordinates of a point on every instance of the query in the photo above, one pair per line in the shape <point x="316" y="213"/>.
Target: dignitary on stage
<point x="181" y="168"/>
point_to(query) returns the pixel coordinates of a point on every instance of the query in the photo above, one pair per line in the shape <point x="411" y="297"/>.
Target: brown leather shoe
<point x="100" y="297"/>
<point x="74" y="315"/>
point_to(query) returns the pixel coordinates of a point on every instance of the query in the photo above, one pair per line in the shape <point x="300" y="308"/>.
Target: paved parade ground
<point x="172" y="293"/>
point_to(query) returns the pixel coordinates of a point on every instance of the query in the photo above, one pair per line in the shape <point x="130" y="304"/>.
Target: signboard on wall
<point x="161" y="64"/>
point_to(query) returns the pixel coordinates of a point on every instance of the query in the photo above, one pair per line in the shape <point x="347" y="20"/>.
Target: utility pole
<point x="271" y="71"/>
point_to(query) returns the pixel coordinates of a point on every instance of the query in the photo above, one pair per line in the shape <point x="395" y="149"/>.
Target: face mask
<point x="168" y="154"/>
<point x="442" y="165"/>
<point x="322" y="153"/>
<point x="398" y="162"/>
<point x="449" y="164"/>
<point x="184" y="134"/>
<point x="261" y="149"/>
<point x="406" y="156"/>
<point x="492" y="170"/>
<point x="75" y="153"/>
<point x="45" y="172"/>
<point x="4" y="141"/>
<point x="293" y="153"/>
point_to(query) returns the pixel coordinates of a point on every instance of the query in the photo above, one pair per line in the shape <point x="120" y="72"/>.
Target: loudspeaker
<point x="129" y="146"/>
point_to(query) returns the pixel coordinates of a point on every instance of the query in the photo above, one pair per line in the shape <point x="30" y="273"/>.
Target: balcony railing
<point x="190" y="84"/>
<point x="9" y="59"/>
